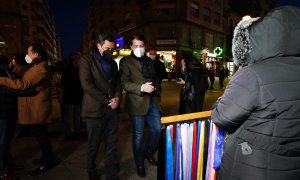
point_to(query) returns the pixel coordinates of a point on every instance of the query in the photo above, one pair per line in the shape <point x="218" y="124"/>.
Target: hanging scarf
<point x="169" y="155"/>
<point x="210" y="172"/>
<point x="218" y="148"/>
<point x="184" y="148"/>
<point x="194" y="167"/>
<point x="191" y="133"/>
<point x="178" y="156"/>
<point x="201" y="152"/>
<point x="105" y="64"/>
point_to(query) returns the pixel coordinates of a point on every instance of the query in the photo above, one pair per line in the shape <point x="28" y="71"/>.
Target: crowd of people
<point x="259" y="109"/>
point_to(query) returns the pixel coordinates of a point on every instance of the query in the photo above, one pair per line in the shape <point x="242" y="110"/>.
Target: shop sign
<point x="169" y="41"/>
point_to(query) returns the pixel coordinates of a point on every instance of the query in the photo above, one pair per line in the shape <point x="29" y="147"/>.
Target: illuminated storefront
<point x="120" y="53"/>
<point x="211" y="60"/>
<point x="169" y="59"/>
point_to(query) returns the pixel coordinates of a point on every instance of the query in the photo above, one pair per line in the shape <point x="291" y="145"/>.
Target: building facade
<point x="176" y="28"/>
<point x="25" y="21"/>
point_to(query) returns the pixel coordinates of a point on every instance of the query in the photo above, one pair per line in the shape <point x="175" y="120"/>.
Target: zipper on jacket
<point x="109" y="95"/>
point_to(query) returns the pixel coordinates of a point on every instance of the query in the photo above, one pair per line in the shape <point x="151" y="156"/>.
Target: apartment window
<point x="217" y="19"/>
<point x="126" y="2"/>
<point x="166" y="33"/>
<point x="39" y="18"/>
<point x="34" y="35"/>
<point x="126" y="17"/>
<point x="218" y="2"/>
<point x="143" y="2"/>
<point x="207" y="14"/>
<point x="195" y="9"/>
<point x="165" y="11"/>
<point x="24" y="7"/>
<point x="166" y="0"/>
<point x="25" y="25"/>
<point x="209" y="40"/>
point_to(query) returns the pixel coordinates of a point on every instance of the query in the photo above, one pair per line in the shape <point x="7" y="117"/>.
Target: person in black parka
<point x="260" y="108"/>
<point x="8" y="119"/>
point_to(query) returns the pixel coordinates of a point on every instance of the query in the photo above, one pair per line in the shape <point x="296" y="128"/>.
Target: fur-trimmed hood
<point x="274" y="35"/>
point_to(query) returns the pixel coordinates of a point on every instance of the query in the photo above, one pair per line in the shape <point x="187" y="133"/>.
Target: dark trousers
<point x="212" y="81"/>
<point x="71" y="119"/>
<point x="191" y="106"/>
<point x="7" y="127"/>
<point x="41" y="133"/>
<point x="221" y="82"/>
<point x="199" y="101"/>
<point x="104" y="128"/>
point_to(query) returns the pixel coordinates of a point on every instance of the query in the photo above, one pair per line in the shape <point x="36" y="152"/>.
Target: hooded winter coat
<point x="260" y="107"/>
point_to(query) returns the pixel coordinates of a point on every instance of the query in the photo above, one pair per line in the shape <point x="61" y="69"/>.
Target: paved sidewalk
<point x="70" y="156"/>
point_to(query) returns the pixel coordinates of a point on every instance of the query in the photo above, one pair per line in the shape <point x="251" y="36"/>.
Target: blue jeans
<point x="152" y="118"/>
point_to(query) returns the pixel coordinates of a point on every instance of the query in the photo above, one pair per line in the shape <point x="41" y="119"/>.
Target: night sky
<point x="70" y="17"/>
<point x="288" y="2"/>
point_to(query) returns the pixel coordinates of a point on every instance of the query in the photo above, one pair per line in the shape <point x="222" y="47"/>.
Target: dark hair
<point x="139" y="37"/>
<point x="152" y="48"/>
<point x="74" y="56"/>
<point x="3" y="60"/>
<point x="40" y="49"/>
<point x="105" y="37"/>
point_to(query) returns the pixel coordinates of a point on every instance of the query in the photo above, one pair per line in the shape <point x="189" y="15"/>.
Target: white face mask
<point x="28" y="59"/>
<point x="139" y="52"/>
<point x="152" y="57"/>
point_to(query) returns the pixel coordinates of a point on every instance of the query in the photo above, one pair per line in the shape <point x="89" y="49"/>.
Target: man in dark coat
<point x="139" y="80"/>
<point x="72" y="97"/>
<point x="195" y="85"/>
<point x="260" y="108"/>
<point x="100" y="81"/>
<point x="159" y="66"/>
<point x="8" y="119"/>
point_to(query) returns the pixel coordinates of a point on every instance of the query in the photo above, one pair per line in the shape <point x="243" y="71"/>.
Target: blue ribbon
<point x="218" y="148"/>
<point x="169" y="155"/>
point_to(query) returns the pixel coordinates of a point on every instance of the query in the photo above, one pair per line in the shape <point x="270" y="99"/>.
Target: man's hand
<point x="39" y="88"/>
<point x="180" y="81"/>
<point x="148" y="87"/>
<point x="113" y="103"/>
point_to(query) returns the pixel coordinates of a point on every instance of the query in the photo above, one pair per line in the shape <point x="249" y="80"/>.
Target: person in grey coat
<point x="260" y="108"/>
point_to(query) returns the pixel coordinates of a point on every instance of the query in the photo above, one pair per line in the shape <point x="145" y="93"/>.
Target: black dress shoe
<point x="41" y="169"/>
<point x="93" y="175"/>
<point x="8" y="176"/>
<point x="17" y="167"/>
<point x="38" y="161"/>
<point x="113" y="178"/>
<point x="151" y="160"/>
<point x="141" y="171"/>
